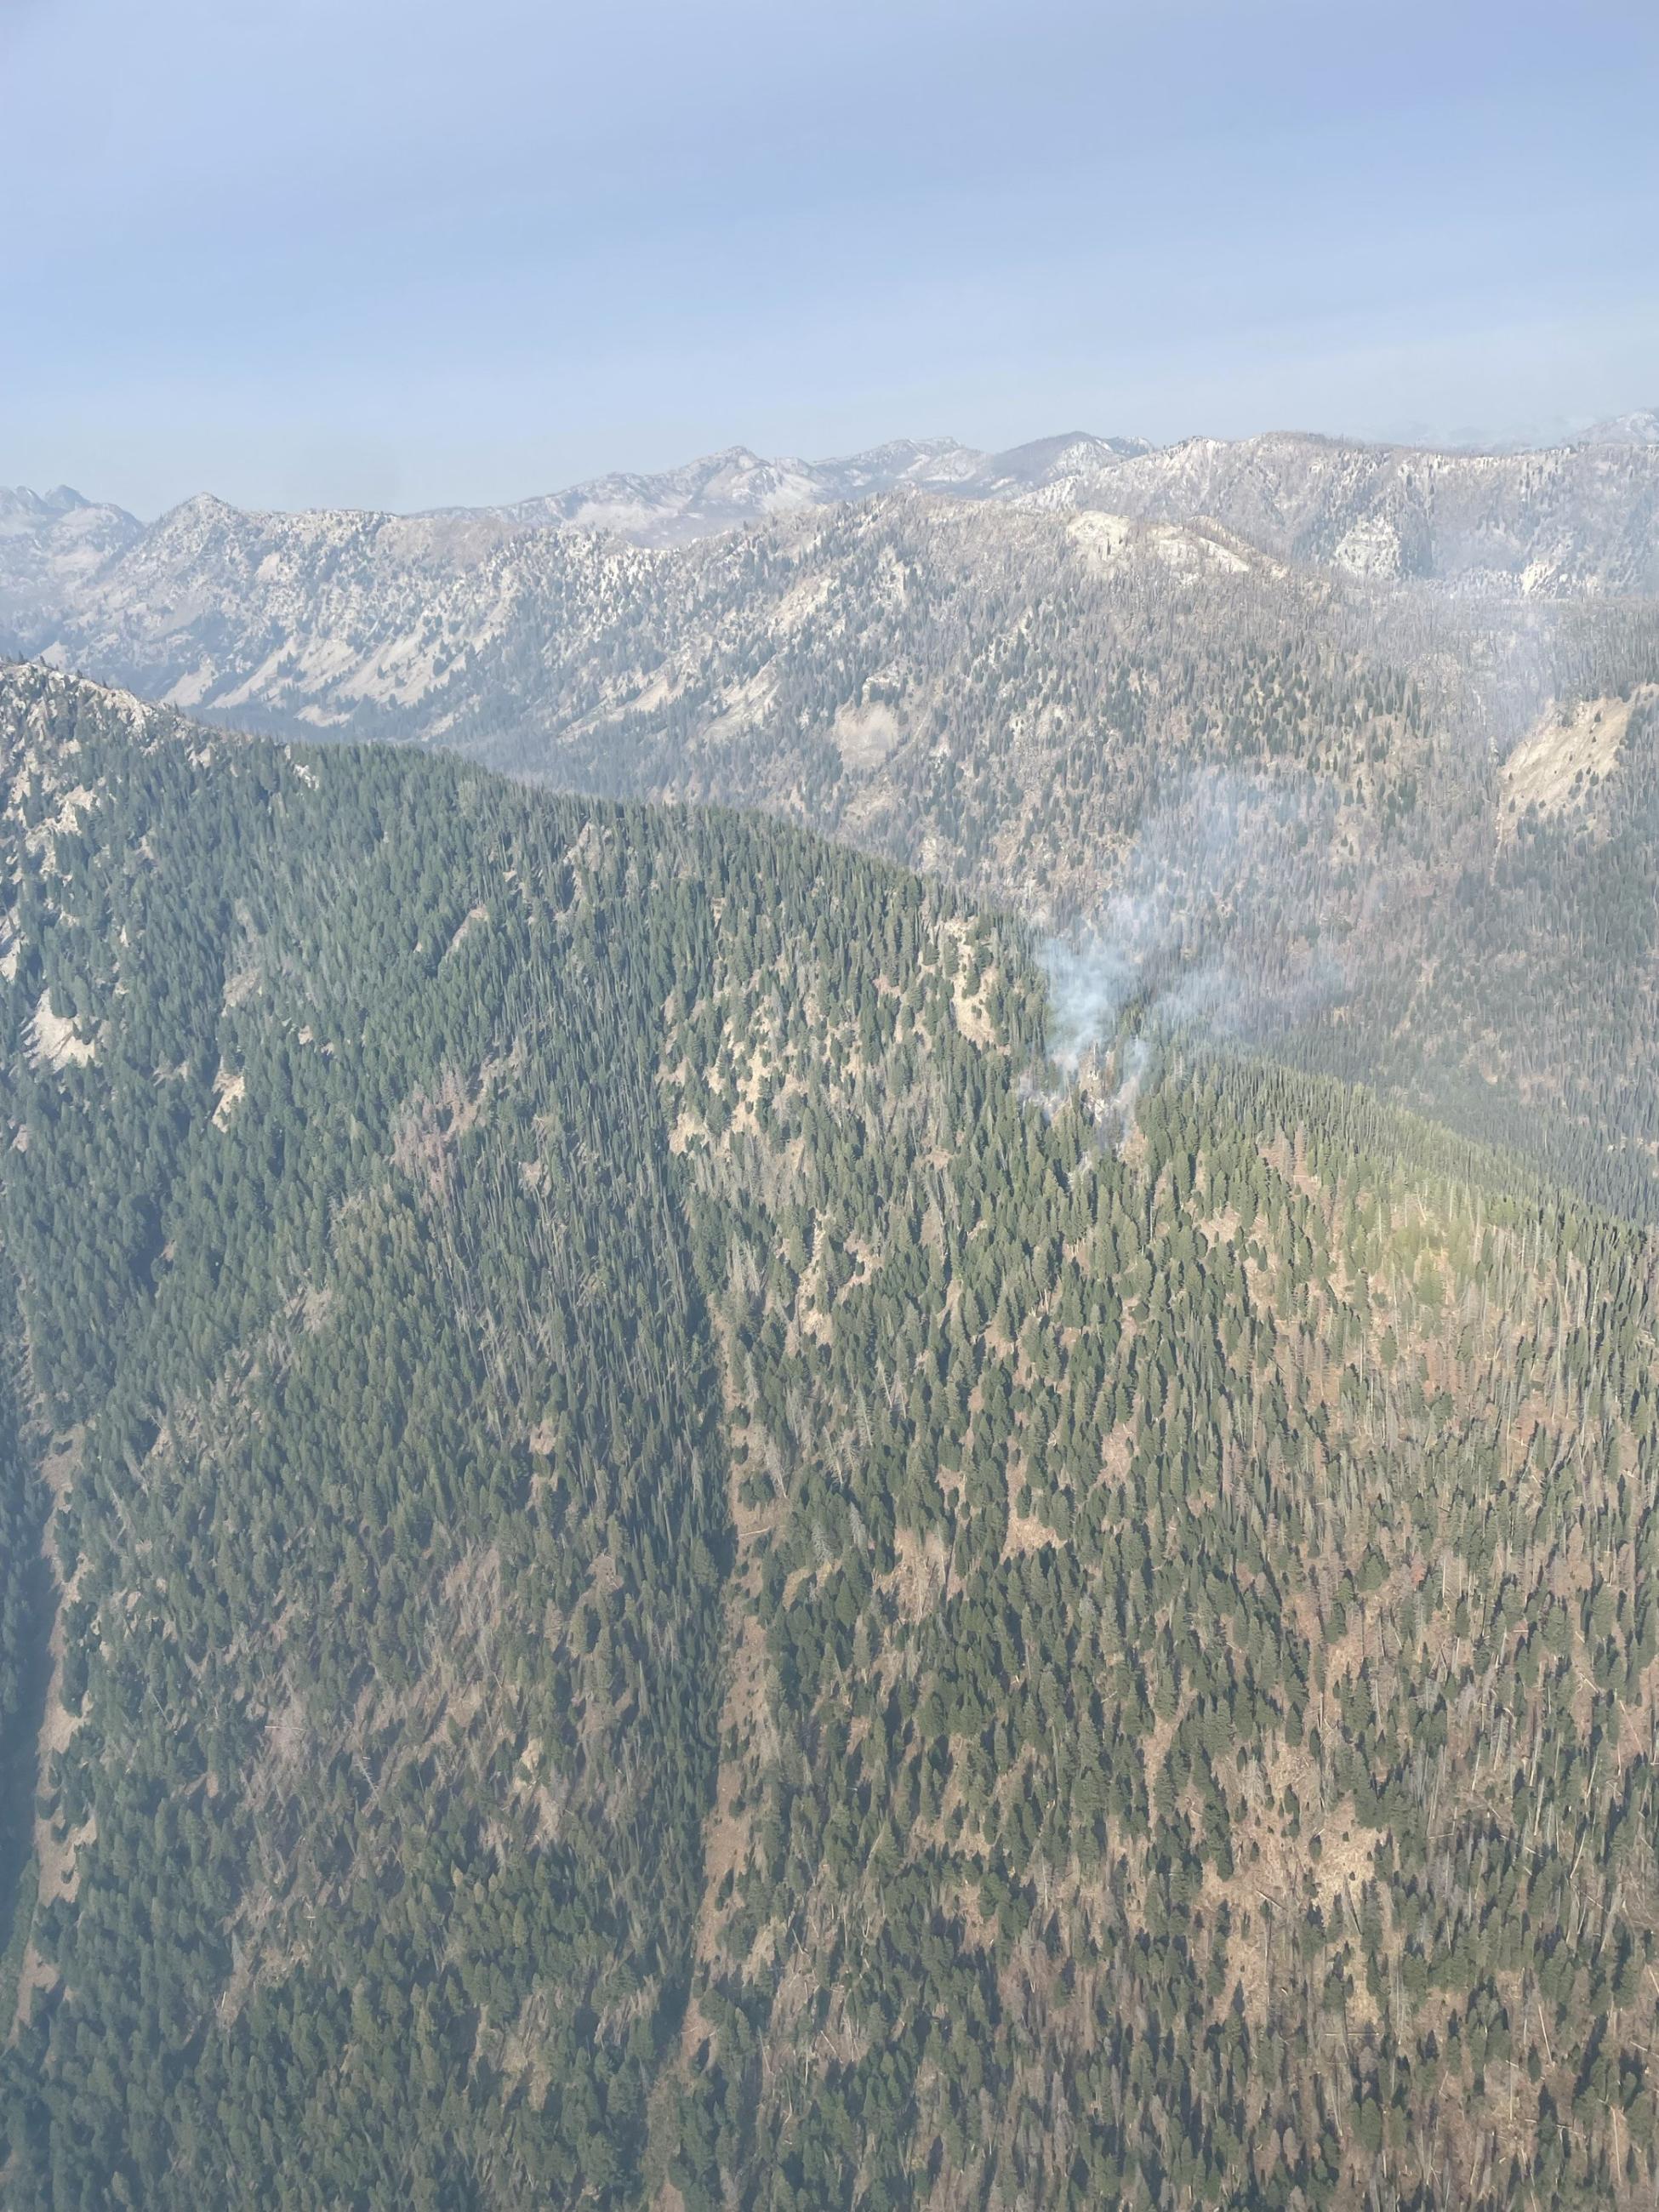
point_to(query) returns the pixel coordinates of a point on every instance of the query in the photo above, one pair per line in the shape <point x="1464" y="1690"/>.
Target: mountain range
<point x="1252" y="719"/>
<point x="60" y="534"/>
<point x="372" y="623"/>
<point x="1369" y="509"/>
<point x="827" y="1304"/>
<point x="723" y="491"/>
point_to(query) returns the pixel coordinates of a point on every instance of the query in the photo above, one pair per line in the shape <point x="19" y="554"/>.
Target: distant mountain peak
<point x="1639" y="428"/>
<point x="204" y="503"/>
<point x="21" y="501"/>
<point x="61" y="498"/>
<point x="727" y="490"/>
<point x="52" y="545"/>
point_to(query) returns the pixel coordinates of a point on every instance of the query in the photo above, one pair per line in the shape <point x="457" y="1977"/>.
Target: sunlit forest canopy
<point x="645" y="1564"/>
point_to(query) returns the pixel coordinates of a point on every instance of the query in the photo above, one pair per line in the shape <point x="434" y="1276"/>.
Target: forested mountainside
<point x="1338" y="809"/>
<point x="680" y="1578"/>
<point x="1391" y="815"/>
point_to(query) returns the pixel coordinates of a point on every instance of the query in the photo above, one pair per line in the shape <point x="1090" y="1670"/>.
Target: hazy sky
<point x="399" y="252"/>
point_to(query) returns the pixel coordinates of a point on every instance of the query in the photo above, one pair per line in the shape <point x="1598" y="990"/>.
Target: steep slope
<point x="386" y="1476"/>
<point x="865" y="630"/>
<point x="1288" y="782"/>
<point x="366" y="1332"/>
<point x="1279" y="805"/>
<point x="1555" y="524"/>
<point x="1141" y="1782"/>
<point x="1524" y="1003"/>
<point x="1274" y="779"/>
<point x="51" y="546"/>
<point x="997" y="697"/>
<point x="361" y="622"/>
<point x="683" y="1582"/>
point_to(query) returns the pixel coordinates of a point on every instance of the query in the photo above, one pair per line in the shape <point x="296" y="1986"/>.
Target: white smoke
<point x="1227" y="919"/>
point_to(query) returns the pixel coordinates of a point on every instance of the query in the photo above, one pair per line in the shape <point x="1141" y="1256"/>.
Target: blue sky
<point x="304" y="251"/>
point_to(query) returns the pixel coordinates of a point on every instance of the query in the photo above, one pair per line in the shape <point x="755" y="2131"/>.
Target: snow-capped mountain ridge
<point x="394" y="625"/>
<point x="1639" y="429"/>
<point x="51" y="546"/>
<point x="728" y="489"/>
